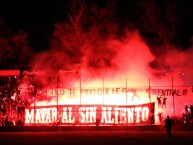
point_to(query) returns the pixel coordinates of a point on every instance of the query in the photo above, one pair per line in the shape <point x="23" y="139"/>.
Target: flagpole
<point x="126" y="93"/>
<point x="57" y="95"/>
<point x="173" y="96"/>
<point x="149" y="91"/>
<point x="80" y="100"/>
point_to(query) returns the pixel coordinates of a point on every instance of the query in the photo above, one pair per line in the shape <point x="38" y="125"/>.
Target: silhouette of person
<point x="159" y="101"/>
<point x="168" y="126"/>
<point x="160" y="117"/>
<point x="186" y="109"/>
<point x="6" y="121"/>
<point x="164" y="102"/>
<point x="191" y="111"/>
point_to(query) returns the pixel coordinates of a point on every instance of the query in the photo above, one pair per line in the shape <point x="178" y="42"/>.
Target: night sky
<point x="35" y="17"/>
<point x="38" y="17"/>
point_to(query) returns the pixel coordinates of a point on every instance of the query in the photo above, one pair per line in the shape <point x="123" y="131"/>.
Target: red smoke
<point x="106" y="59"/>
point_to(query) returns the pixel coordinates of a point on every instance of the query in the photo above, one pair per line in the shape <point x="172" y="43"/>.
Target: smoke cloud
<point x="108" y="59"/>
<point x="94" y="52"/>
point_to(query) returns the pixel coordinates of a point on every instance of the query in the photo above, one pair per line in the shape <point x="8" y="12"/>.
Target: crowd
<point x="12" y="101"/>
<point x="187" y="115"/>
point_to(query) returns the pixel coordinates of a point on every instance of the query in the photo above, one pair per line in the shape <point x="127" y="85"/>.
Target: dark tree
<point x="160" y="24"/>
<point x="15" y="52"/>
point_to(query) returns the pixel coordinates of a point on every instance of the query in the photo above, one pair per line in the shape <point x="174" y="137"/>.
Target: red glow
<point x="8" y="73"/>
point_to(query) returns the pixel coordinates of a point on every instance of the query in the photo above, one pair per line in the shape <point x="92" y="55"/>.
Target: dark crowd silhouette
<point x="13" y="100"/>
<point x="187" y="115"/>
